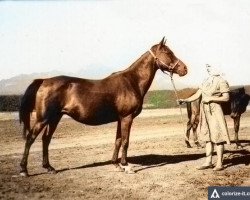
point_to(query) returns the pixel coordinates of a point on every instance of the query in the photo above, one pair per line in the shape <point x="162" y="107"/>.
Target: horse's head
<point x="166" y="60"/>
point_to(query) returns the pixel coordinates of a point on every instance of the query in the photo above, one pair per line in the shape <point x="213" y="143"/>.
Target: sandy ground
<point x="165" y="168"/>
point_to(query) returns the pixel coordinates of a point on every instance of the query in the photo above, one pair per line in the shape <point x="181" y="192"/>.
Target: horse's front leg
<point x="126" y="123"/>
<point x="196" y="141"/>
<point x="117" y="147"/>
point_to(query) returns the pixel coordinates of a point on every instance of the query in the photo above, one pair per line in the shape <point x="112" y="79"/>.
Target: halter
<point x="170" y="68"/>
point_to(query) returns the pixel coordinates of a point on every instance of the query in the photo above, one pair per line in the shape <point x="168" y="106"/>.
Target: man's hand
<point x="206" y="100"/>
<point x="181" y="101"/>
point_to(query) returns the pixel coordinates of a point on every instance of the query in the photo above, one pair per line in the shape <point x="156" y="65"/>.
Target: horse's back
<point x="63" y="81"/>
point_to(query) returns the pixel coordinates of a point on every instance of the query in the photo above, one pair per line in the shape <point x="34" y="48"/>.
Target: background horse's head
<point x="166" y="60"/>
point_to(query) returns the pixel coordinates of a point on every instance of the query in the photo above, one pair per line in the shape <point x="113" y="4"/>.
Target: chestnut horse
<point x="118" y="97"/>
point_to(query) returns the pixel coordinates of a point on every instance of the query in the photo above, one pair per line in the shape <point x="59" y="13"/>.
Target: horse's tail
<point x="27" y="105"/>
<point x="189" y="110"/>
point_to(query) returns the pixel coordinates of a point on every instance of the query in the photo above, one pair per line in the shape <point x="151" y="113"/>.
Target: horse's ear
<point x="162" y="43"/>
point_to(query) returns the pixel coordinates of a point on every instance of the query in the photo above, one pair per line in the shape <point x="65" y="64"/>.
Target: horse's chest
<point x="128" y="100"/>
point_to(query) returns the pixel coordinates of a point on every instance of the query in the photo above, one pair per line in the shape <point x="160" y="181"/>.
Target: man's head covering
<point x="213" y="71"/>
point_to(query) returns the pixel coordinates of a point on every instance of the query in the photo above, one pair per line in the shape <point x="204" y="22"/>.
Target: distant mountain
<point x="17" y="85"/>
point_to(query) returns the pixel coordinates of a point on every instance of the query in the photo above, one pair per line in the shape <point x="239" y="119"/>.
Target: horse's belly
<point x="98" y="120"/>
<point x="94" y="116"/>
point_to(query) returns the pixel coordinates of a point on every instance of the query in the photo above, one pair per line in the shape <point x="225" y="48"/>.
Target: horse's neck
<point x="143" y="71"/>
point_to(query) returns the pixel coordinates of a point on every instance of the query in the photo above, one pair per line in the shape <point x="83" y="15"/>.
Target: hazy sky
<point x="103" y="36"/>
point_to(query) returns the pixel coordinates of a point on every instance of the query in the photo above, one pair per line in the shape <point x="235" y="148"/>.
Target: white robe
<point x="213" y="127"/>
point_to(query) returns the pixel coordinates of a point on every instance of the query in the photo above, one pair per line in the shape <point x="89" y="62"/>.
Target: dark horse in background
<point x="235" y="107"/>
<point x="118" y="97"/>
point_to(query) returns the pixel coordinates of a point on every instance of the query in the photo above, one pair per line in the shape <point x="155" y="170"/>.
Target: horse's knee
<point x="125" y="144"/>
<point x="118" y="142"/>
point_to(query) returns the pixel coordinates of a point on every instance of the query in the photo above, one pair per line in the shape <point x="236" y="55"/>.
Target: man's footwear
<point x="205" y="167"/>
<point x="218" y="168"/>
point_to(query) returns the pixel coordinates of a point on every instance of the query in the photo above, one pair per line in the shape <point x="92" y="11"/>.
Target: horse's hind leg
<point x="236" y="131"/>
<point x="47" y="135"/>
<point x="196" y="141"/>
<point x="194" y="124"/>
<point x="188" y="134"/>
<point x="37" y="128"/>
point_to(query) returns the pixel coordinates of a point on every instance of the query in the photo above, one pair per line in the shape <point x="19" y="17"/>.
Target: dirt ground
<point x="165" y="168"/>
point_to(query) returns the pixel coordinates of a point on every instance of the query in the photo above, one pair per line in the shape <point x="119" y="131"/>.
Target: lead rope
<point x="177" y="98"/>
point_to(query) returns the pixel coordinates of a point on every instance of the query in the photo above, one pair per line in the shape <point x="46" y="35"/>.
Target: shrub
<point x="9" y="103"/>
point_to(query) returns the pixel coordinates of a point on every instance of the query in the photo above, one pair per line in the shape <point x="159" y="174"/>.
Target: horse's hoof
<point x="52" y="171"/>
<point x="24" y="174"/>
<point x="198" y="145"/>
<point x="188" y="144"/>
<point x="127" y="169"/>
